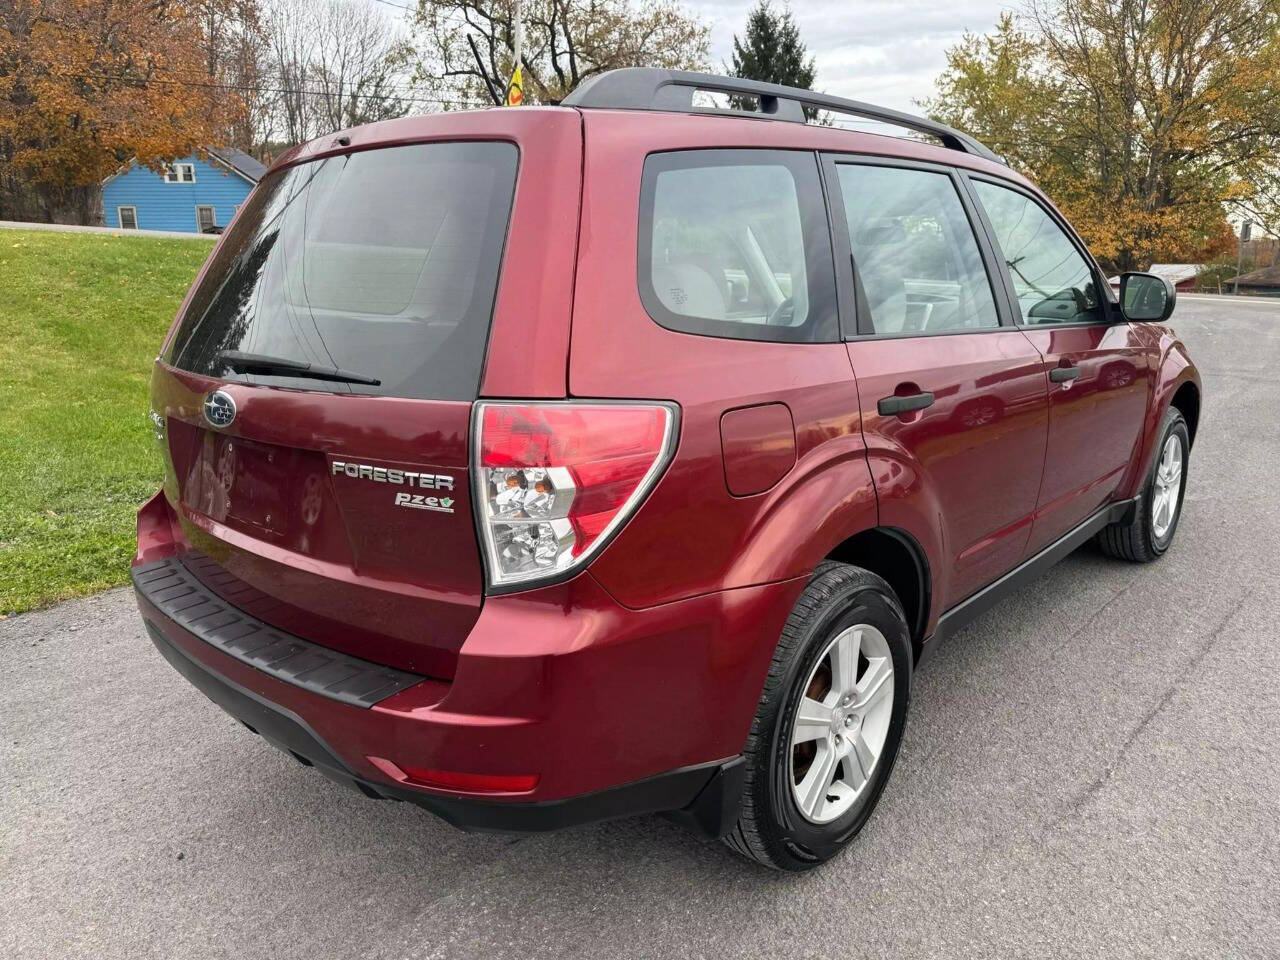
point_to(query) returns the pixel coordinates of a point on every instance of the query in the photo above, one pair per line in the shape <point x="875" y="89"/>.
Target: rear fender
<point x="909" y="504"/>
<point x="829" y="495"/>
<point x="692" y="536"/>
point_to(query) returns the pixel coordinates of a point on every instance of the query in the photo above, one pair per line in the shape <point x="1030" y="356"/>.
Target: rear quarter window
<point x="735" y="243"/>
<point x="382" y="262"/>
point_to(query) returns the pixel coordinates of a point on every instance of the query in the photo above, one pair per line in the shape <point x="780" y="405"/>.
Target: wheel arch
<point x="895" y="555"/>
<point x="1186" y="399"/>
<point x="1176" y="384"/>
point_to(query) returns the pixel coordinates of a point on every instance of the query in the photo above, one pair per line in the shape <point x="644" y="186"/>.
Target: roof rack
<point x="648" y="88"/>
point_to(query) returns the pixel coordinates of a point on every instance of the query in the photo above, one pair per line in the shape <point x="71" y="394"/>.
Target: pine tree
<point x="773" y="51"/>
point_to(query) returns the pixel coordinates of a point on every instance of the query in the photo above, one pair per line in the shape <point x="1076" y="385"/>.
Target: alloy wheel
<point x="1167" y="488"/>
<point x="841" y="723"/>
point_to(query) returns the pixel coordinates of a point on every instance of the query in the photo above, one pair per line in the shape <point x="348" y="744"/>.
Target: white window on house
<point x="204" y="218"/>
<point x="180" y="173"/>
<point x="128" y="217"/>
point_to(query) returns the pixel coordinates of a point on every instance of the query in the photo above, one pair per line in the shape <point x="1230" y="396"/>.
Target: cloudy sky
<point x="882" y="52"/>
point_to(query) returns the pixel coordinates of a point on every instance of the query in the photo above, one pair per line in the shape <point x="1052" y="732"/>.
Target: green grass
<point x="81" y="318"/>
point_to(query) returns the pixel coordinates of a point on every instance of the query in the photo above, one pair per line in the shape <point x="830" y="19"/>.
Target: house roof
<point x="1266" y="277"/>
<point x="1176" y="272"/>
<point x="239" y="161"/>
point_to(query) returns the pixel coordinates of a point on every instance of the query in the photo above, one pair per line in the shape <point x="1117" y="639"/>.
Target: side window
<point x="1053" y="282"/>
<point x="914" y="251"/>
<point x="735" y="243"/>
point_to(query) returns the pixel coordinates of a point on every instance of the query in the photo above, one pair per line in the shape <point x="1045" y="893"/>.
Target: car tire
<point x="1149" y="533"/>
<point x="789" y="818"/>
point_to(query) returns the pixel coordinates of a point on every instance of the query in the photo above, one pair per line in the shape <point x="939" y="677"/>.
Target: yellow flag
<point x="515" y="89"/>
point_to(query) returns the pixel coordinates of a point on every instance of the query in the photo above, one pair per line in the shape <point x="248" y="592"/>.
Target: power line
<point x="254" y="88"/>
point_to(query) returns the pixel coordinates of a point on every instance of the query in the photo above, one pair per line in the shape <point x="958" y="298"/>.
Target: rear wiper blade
<point x="283" y="367"/>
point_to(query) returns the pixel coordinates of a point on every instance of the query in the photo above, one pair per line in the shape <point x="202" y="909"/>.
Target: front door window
<point x="1053" y="281"/>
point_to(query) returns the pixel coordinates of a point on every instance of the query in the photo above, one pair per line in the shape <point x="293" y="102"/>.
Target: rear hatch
<point x="345" y="315"/>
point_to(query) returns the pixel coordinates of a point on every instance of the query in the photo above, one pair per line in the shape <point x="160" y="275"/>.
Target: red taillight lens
<point x="554" y="480"/>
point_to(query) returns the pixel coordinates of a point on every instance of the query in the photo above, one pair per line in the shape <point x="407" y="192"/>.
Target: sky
<point x="887" y="53"/>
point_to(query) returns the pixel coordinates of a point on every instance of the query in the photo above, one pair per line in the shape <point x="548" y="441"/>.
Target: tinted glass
<point x="383" y="263"/>
<point x="735" y="243"/>
<point x="1053" y="282"/>
<point x="915" y="253"/>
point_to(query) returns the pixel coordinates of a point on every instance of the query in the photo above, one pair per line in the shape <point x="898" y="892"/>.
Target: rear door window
<point x="735" y="243"/>
<point x="916" y="258"/>
<point x="383" y="263"/>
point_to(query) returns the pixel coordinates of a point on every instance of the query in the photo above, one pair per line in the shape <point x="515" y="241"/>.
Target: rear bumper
<point x="615" y="711"/>
<point x="703" y="796"/>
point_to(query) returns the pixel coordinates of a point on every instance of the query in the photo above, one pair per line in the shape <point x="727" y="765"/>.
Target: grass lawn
<point x="81" y="318"/>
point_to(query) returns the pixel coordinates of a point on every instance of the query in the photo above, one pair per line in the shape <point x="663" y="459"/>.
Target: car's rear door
<point x="1095" y="366"/>
<point x="952" y="395"/>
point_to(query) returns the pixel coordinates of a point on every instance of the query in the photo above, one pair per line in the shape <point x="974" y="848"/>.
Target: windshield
<point x="383" y="262"/>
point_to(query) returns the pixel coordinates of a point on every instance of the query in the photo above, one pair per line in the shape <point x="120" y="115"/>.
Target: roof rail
<point x="648" y="88"/>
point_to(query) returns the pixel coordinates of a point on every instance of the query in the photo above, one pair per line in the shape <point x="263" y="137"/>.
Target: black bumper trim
<point x="177" y="593"/>
<point x="703" y="797"/>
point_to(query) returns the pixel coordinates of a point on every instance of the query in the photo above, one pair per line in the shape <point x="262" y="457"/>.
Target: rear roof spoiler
<point x="646" y="88"/>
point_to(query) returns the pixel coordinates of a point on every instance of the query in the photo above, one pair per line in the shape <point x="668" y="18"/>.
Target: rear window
<point x="735" y="243"/>
<point x="382" y="263"/>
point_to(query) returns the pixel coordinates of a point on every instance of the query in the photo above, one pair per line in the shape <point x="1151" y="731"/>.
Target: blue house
<point x="191" y="196"/>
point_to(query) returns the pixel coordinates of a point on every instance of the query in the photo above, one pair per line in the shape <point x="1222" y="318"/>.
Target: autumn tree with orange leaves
<point x="87" y="85"/>
<point x="1147" y="121"/>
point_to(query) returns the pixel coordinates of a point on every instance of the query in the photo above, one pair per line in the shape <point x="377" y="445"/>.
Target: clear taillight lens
<point x="555" y="480"/>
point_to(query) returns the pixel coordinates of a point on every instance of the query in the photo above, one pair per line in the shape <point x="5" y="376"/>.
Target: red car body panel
<point x="559" y="681"/>
<point x="653" y="658"/>
<point x="262" y="499"/>
<point x="1102" y="413"/>
<point x="962" y="476"/>
<point x="1172" y="373"/>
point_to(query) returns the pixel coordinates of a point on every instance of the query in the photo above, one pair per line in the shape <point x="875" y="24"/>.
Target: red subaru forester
<point x="547" y="465"/>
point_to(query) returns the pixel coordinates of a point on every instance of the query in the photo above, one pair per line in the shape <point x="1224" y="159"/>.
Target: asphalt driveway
<point x="1092" y="769"/>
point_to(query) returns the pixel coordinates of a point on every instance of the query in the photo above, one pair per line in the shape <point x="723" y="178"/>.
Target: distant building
<point x="191" y="196"/>
<point x="1181" y="275"/>
<point x="1264" y="282"/>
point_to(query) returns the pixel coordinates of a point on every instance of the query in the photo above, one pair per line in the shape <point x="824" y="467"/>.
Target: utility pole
<point x="515" y="89"/>
<point x="1246" y="228"/>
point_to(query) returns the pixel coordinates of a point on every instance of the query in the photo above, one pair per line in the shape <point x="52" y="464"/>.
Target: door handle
<point x="1063" y="374"/>
<point x="892" y="406"/>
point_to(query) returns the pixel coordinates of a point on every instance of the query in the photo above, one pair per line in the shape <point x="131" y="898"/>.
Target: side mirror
<point x="1146" y="298"/>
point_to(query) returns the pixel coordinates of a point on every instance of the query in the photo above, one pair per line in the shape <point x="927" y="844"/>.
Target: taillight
<point x="555" y="480"/>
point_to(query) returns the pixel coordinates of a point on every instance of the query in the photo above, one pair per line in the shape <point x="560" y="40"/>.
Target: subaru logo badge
<point x="219" y="409"/>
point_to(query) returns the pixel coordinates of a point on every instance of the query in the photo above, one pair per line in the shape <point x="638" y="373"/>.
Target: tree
<point x="1143" y="119"/>
<point x="85" y="86"/>
<point x="291" y="44"/>
<point x="333" y="64"/>
<point x="773" y="51"/>
<point x="565" y="43"/>
<point x="358" y="59"/>
<point x="233" y="47"/>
